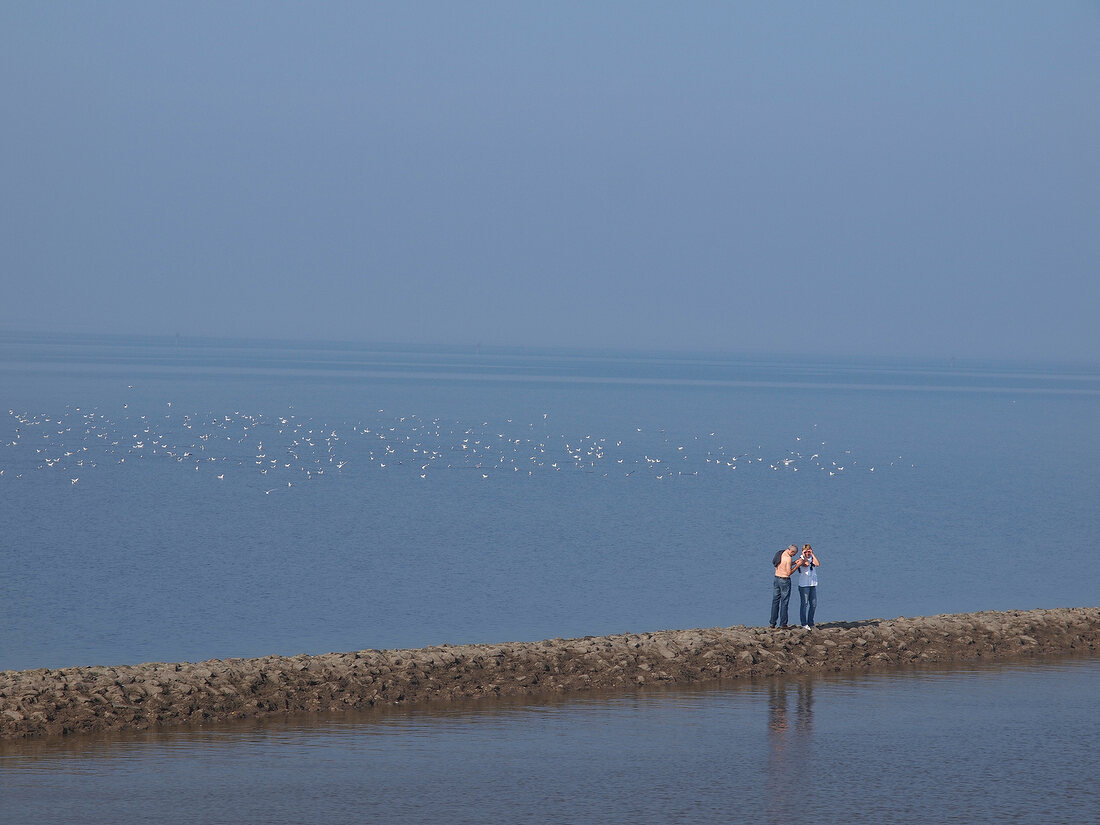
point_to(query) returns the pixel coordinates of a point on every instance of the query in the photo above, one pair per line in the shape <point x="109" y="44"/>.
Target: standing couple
<point x="787" y="565"/>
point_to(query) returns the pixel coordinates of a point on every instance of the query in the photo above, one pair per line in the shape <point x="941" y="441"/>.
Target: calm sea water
<point x="167" y="500"/>
<point x="1012" y="744"/>
<point x="173" y="501"/>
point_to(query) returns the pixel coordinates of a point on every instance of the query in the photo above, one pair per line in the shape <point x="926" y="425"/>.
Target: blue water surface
<point x="182" y="500"/>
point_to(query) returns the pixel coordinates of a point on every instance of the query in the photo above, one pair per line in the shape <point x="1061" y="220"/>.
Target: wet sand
<point x="46" y="702"/>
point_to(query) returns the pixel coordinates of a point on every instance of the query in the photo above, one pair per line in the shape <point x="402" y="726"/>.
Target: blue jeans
<point x="808" y="604"/>
<point x="781" y="597"/>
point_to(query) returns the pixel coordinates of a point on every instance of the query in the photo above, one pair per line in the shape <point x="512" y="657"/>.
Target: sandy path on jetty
<point x="90" y="699"/>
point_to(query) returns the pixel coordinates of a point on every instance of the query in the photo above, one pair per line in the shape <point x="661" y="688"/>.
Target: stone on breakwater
<point x="89" y="699"/>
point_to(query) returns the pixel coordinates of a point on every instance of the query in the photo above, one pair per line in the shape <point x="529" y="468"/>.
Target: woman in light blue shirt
<point x="807" y="587"/>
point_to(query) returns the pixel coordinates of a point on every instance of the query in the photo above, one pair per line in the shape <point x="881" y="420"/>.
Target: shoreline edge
<point x="73" y="700"/>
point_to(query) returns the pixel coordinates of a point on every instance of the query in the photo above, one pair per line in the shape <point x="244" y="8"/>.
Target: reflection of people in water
<point x="804" y="721"/>
<point x="789" y="747"/>
<point x="777" y="710"/>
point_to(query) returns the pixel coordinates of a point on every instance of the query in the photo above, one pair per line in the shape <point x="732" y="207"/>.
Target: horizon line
<point x="575" y="350"/>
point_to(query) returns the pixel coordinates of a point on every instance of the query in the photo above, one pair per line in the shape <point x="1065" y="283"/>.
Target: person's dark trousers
<point x="807" y="597"/>
<point x="781" y="597"/>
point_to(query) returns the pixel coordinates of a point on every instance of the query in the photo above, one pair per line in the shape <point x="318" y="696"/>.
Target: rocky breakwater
<point x="89" y="699"/>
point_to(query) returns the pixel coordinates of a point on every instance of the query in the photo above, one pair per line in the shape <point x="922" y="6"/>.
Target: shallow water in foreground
<point x="988" y="744"/>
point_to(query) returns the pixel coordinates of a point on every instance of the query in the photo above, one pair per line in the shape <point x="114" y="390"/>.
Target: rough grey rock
<point x="47" y="702"/>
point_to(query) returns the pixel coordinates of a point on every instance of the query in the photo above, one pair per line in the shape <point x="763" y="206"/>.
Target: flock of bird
<point x="287" y="449"/>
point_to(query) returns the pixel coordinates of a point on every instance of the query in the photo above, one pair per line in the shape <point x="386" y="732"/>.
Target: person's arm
<point x="813" y="558"/>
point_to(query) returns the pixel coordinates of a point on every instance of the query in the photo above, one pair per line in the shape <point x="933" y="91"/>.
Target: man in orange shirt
<point x="781" y="586"/>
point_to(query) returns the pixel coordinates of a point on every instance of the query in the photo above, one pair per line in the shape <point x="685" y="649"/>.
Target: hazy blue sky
<point x="872" y="178"/>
